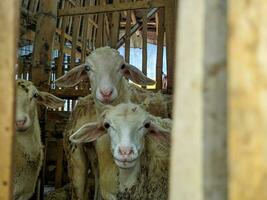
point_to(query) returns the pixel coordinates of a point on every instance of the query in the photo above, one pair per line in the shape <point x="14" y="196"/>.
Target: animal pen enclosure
<point x="219" y="133"/>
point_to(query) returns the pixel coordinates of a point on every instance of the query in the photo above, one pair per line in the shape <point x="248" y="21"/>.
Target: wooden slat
<point x="8" y="36"/>
<point x="160" y="44"/>
<point x="170" y="42"/>
<point x="59" y="165"/>
<point x="115" y="27"/>
<point x="112" y="7"/>
<point x="100" y="30"/>
<point x="128" y="37"/>
<point x="75" y="34"/>
<point x="42" y="54"/>
<point x="135" y="27"/>
<point x="144" y="43"/>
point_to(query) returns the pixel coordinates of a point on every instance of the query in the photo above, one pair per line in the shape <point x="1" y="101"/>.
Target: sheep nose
<point x="106" y="93"/>
<point x="126" y="150"/>
<point x="21" y="122"/>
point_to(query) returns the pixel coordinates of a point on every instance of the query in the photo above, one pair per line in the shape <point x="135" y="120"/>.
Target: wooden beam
<point x="144" y="43"/>
<point x="75" y="34"/>
<point x="146" y="4"/>
<point x="115" y="27"/>
<point x="9" y="10"/>
<point x="199" y="133"/>
<point x="43" y="45"/>
<point x="160" y="45"/>
<point x="247" y="111"/>
<point x="128" y="37"/>
<point x="135" y="27"/>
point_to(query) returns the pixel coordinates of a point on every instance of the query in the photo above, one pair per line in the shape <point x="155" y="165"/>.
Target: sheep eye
<point x="147" y="125"/>
<point x="106" y="125"/>
<point x="123" y="66"/>
<point x="87" y="67"/>
<point x="35" y="95"/>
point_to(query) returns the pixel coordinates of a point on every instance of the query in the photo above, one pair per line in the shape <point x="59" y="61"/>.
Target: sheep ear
<point x="72" y="77"/>
<point x="88" y="133"/>
<point x="49" y="100"/>
<point x="134" y="74"/>
<point x="159" y="134"/>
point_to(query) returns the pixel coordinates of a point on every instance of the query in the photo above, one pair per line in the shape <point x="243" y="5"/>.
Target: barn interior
<point x="207" y="57"/>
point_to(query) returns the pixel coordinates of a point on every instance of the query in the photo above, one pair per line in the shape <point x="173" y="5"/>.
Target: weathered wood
<point x="69" y="93"/>
<point x="146" y="4"/>
<point x="100" y="29"/>
<point x="128" y="37"/>
<point x="115" y="27"/>
<point x="43" y="45"/>
<point x="247" y="110"/>
<point x="170" y="42"/>
<point x="160" y="45"/>
<point x="144" y="43"/>
<point x="75" y="34"/>
<point x="9" y="10"/>
<point x="135" y="27"/>
<point x="59" y="165"/>
<point x="199" y="150"/>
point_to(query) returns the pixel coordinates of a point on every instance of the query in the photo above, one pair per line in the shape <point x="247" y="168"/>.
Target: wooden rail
<point x="112" y="7"/>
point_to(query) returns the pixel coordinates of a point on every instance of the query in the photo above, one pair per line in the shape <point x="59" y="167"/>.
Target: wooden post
<point x="160" y="44"/>
<point x="144" y="43"/>
<point x="247" y="100"/>
<point x="43" y="44"/>
<point x="199" y="157"/>
<point x="115" y="27"/>
<point x="100" y="29"/>
<point x="8" y="51"/>
<point x="170" y="41"/>
<point x="128" y="37"/>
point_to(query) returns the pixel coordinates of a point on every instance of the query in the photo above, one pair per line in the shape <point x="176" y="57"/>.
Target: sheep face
<point x="27" y="98"/>
<point x="126" y="124"/>
<point x="106" y="69"/>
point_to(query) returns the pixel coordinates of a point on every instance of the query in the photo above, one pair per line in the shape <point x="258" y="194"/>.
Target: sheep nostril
<point x="21" y="122"/>
<point x="106" y="93"/>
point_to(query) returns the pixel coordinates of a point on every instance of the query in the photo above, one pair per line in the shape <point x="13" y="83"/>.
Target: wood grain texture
<point x="8" y="36"/>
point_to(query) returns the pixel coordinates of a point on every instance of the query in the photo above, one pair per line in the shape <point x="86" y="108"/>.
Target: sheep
<point x="28" y="153"/>
<point x="108" y="74"/>
<point x="134" y="154"/>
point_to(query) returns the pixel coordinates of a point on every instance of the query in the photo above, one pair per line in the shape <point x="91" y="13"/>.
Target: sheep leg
<point x="78" y="169"/>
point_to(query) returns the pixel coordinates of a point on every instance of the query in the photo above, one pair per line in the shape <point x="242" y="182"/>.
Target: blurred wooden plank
<point x="146" y="4"/>
<point x="59" y="165"/>
<point x="100" y="29"/>
<point x="160" y="45"/>
<point x="75" y="34"/>
<point x="247" y="112"/>
<point x="199" y="162"/>
<point x="9" y="10"/>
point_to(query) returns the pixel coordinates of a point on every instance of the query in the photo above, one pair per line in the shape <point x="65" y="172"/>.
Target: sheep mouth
<point x="125" y="160"/>
<point x="22" y="129"/>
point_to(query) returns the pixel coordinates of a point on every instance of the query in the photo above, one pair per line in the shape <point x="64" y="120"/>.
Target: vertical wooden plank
<point x="160" y="45"/>
<point x="75" y="34"/>
<point x="170" y="41"/>
<point x="100" y="29"/>
<point x="9" y="10"/>
<point x="199" y="136"/>
<point x="59" y="165"/>
<point x="247" y="110"/>
<point x="115" y="27"/>
<point x="144" y="43"/>
<point x="43" y="44"/>
<point x="128" y="37"/>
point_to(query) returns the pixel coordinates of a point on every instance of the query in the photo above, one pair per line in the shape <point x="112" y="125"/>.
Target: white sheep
<point x="133" y="156"/>
<point x="28" y="154"/>
<point x="108" y="74"/>
<point x="106" y="70"/>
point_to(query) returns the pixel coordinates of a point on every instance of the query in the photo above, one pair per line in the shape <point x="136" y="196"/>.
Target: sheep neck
<point x="128" y="177"/>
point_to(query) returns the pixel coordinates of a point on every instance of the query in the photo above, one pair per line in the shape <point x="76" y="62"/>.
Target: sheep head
<point x="27" y="98"/>
<point x="127" y="125"/>
<point x="106" y="70"/>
